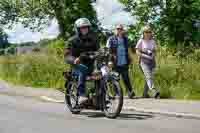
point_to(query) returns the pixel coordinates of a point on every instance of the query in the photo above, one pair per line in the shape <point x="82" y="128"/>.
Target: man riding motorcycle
<point x="83" y="41"/>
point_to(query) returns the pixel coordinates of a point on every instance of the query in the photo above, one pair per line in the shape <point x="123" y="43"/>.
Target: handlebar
<point x="93" y="54"/>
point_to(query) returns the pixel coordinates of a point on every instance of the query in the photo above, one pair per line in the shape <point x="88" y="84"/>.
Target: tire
<point x="68" y="96"/>
<point x="118" y="109"/>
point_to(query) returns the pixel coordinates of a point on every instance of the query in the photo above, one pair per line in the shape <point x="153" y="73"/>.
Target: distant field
<point x="174" y="77"/>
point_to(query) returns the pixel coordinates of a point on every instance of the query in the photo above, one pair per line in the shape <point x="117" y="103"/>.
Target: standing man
<point x="118" y="44"/>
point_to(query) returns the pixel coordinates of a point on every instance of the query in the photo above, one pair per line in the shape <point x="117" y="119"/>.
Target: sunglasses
<point x="84" y="27"/>
<point x="147" y="32"/>
<point x="119" y="29"/>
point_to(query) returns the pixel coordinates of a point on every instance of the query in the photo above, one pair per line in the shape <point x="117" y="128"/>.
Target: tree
<point x="37" y="13"/>
<point x="3" y="39"/>
<point x="172" y="20"/>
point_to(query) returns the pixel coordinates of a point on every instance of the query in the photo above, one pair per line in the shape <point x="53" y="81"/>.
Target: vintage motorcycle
<point x="103" y="89"/>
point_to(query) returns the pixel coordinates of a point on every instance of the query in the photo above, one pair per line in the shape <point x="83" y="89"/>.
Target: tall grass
<point x="174" y="78"/>
<point x="37" y="69"/>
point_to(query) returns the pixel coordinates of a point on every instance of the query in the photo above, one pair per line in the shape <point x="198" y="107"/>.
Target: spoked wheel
<point x="113" y="99"/>
<point x="71" y="98"/>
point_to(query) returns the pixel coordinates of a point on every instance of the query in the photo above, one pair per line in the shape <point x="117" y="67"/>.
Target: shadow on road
<point x="135" y="116"/>
<point x="123" y="116"/>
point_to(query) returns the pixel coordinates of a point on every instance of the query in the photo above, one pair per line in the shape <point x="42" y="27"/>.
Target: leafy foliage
<point x="3" y="39"/>
<point x="174" y="21"/>
<point x="37" y="13"/>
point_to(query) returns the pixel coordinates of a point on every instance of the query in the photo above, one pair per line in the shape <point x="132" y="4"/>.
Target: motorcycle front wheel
<point x="113" y="99"/>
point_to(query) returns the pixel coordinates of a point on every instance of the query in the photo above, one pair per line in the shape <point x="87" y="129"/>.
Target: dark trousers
<point x="123" y="71"/>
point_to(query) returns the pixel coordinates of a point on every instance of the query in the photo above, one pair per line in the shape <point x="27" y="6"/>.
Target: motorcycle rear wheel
<point x="71" y="98"/>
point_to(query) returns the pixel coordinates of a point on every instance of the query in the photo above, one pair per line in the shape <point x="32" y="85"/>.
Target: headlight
<point x="110" y="64"/>
<point x="105" y="70"/>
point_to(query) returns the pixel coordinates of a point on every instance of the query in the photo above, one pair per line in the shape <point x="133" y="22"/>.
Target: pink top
<point x="146" y="44"/>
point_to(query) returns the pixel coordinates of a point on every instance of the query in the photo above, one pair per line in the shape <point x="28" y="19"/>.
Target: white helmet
<point x="82" y="22"/>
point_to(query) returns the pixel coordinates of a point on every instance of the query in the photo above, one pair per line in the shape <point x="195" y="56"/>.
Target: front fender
<point x="112" y="76"/>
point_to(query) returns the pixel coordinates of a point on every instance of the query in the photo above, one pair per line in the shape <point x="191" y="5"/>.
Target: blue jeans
<point x="81" y="78"/>
<point x="148" y="76"/>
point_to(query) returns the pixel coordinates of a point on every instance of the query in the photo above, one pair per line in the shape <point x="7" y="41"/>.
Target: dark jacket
<point x="113" y="44"/>
<point x="78" y="44"/>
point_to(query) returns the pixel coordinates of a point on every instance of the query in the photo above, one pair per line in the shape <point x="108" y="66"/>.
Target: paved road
<point x="25" y="115"/>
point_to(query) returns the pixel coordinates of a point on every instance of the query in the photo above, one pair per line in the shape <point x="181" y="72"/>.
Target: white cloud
<point x="110" y="12"/>
<point x="20" y="34"/>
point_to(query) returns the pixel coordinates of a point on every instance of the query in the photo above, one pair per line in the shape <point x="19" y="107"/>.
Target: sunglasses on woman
<point x="119" y="29"/>
<point x="147" y="31"/>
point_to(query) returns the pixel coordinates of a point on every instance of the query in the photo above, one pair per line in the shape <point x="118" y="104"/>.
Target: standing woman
<point x="146" y="51"/>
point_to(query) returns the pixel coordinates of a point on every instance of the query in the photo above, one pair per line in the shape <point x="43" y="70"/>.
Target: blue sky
<point x="109" y="12"/>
